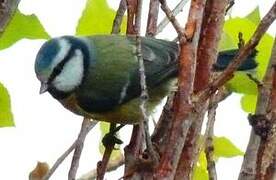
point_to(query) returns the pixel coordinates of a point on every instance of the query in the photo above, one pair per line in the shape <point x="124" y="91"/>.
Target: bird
<point x="98" y="76"/>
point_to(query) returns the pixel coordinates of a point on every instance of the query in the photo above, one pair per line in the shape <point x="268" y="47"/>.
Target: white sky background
<point x="44" y="129"/>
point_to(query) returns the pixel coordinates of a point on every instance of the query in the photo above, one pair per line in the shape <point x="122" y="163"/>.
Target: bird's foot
<point x="111" y="139"/>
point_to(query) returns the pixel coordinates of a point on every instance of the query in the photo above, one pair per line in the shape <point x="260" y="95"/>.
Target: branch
<point x="249" y="165"/>
<point x="86" y="126"/>
<point x="119" y="17"/>
<point x="109" y="142"/>
<point x="112" y="165"/>
<point x="178" y="8"/>
<point x="152" y="18"/>
<point x="7" y="10"/>
<point x="172" y="19"/>
<point x="135" y="146"/>
<point x="144" y="92"/>
<point x="131" y="13"/>
<point x="267" y="149"/>
<point x="182" y="103"/>
<point x="211" y="29"/>
<point x="241" y="56"/>
<point x="66" y="153"/>
<point x="209" y="146"/>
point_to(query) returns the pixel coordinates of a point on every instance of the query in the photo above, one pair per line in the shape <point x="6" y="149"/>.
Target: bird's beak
<point x="43" y="88"/>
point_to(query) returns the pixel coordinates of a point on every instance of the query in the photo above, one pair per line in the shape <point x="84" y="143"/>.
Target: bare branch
<point x="112" y="165"/>
<point x="172" y="19"/>
<point x="178" y="8"/>
<point x="242" y="54"/>
<point x="211" y="29"/>
<point x="66" y="153"/>
<point x="117" y="22"/>
<point x="249" y="165"/>
<point x="182" y="103"/>
<point x="209" y="146"/>
<point x="267" y="149"/>
<point x="59" y="161"/>
<point x="144" y="91"/>
<point x="109" y="145"/>
<point x="152" y="18"/>
<point x="86" y="126"/>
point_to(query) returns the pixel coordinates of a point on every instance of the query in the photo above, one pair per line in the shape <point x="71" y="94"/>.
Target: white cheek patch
<point x="71" y="74"/>
<point x="64" y="46"/>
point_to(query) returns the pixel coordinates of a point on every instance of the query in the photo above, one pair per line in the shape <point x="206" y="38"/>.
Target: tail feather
<point x="225" y="57"/>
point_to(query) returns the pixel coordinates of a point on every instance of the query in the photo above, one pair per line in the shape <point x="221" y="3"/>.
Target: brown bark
<point x="7" y="9"/>
<point x="241" y="56"/>
<point x="182" y="103"/>
<point x="152" y="18"/>
<point x="254" y="152"/>
<point x="116" y="28"/>
<point x="206" y="55"/>
<point x="267" y="149"/>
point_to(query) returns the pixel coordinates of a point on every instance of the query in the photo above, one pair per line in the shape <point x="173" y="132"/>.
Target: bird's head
<point x="60" y="63"/>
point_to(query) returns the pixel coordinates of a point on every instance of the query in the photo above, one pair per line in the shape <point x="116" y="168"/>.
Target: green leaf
<point x="6" y="117"/>
<point x="233" y="26"/>
<point x="200" y="172"/>
<point x="226" y="42"/>
<point x="22" y="26"/>
<point x="248" y="103"/>
<point x="97" y="18"/>
<point x="240" y="83"/>
<point x="223" y="147"/>
<point x="254" y="16"/>
<point x="104" y="128"/>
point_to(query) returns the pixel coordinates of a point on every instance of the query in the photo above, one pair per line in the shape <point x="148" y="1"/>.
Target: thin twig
<point x="59" y="161"/>
<point x="112" y="165"/>
<point x="134" y="148"/>
<point x="86" y="126"/>
<point x="209" y="146"/>
<point x="241" y="55"/>
<point x="66" y="153"/>
<point x="172" y="19"/>
<point x="254" y="79"/>
<point x="119" y="17"/>
<point x="178" y="8"/>
<point x="230" y="5"/>
<point x="144" y="92"/>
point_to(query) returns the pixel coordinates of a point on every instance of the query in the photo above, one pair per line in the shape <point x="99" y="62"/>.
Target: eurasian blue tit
<point x="98" y="76"/>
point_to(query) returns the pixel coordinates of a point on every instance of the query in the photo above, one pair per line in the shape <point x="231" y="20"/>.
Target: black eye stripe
<point x="57" y="70"/>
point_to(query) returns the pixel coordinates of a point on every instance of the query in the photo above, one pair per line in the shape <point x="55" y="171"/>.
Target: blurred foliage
<point x="223" y="147"/>
<point x="200" y="172"/>
<point x="241" y="83"/>
<point x="97" y="18"/>
<point x="6" y="117"/>
<point x="22" y="26"/>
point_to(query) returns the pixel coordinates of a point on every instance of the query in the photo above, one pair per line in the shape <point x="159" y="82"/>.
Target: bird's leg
<point x="110" y="139"/>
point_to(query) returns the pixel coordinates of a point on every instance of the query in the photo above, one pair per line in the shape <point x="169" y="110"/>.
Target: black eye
<point x="57" y="70"/>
